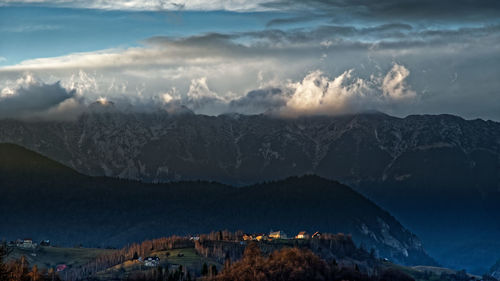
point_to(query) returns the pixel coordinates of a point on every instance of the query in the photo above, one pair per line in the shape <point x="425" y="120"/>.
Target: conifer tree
<point x="4" y="252"/>
<point x="204" y="269"/>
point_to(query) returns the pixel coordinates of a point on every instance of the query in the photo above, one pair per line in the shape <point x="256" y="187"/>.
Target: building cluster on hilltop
<point x="28" y="243"/>
<point x="273" y="235"/>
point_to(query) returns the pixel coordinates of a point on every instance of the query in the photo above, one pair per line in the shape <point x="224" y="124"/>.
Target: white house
<point x="152" y="261"/>
<point x="26" y="243"/>
<point x="278" y="235"/>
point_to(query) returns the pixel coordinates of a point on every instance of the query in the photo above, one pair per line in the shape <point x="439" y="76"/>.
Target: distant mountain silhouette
<point x="42" y="199"/>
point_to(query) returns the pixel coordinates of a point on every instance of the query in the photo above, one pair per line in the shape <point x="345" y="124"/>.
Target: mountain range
<point x="46" y="200"/>
<point x="438" y="174"/>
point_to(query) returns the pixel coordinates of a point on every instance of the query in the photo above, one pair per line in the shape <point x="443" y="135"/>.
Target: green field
<point x="189" y="259"/>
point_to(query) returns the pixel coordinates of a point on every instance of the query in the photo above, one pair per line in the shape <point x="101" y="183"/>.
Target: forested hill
<point x="42" y="199"/>
<point x="18" y="163"/>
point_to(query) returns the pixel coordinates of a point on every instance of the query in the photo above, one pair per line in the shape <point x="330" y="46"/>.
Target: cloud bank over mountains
<point x="29" y="98"/>
<point x="326" y="57"/>
<point x="315" y="94"/>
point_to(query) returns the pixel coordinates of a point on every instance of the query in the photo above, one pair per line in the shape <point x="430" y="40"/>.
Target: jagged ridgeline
<point x="69" y="208"/>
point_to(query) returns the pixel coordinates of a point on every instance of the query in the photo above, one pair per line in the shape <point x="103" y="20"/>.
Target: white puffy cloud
<point x="198" y="90"/>
<point x="394" y="85"/>
<point x="167" y="97"/>
<point x="317" y="94"/>
<point x="9" y="87"/>
<point x="202" y="100"/>
<point x="83" y="82"/>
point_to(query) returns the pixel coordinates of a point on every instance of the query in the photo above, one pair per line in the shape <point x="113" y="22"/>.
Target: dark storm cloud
<point x="320" y="33"/>
<point x="229" y="42"/>
<point x="464" y="31"/>
<point x="306" y="17"/>
<point x="211" y="38"/>
<point x="261" y="100"/>
<point x="385" y="36"/>
<point x="32" y="99"/>
<point x="396" y="9"/>
<point x="210" y="44"/>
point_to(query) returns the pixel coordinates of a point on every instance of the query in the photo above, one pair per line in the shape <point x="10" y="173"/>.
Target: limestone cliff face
<point x="244" y="149"/>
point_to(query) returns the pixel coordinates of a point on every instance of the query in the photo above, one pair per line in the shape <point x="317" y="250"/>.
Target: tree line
<point x="223" y="245"/>
<point x="296" y="264"/>
<point x="20" y="269"/>
<point x="130" y="252"/>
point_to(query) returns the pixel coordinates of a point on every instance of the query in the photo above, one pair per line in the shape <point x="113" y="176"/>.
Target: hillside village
<point x="207" y="256"/>
<point x="27" y="244"/>
<point x="279" y="235"/>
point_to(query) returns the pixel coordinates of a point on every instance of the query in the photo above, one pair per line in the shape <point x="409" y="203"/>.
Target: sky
<point x="285" y="57"/>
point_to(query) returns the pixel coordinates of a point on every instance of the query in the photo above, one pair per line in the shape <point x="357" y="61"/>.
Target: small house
<point x="151" y="261"/>
<point x="45" y="243"/>
<point x="260" y="237"/>
<point x="277" y="235"/>
<point x="316" y="234"/>
<point x="254" y="237"/>
<point x="302" y="235"/>
<point x="26" y="243"/>
<point x="247" y="237"/>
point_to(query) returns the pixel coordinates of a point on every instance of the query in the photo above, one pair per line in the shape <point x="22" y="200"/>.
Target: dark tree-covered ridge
<point x="68" y="208"/>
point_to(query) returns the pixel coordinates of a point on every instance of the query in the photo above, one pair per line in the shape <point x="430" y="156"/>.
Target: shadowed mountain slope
<point x="42" y="199"/>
